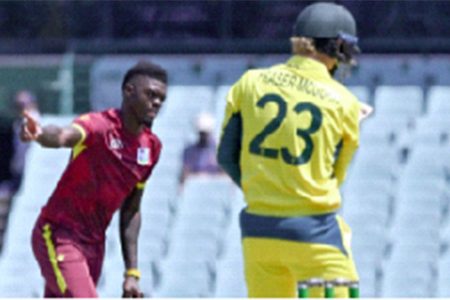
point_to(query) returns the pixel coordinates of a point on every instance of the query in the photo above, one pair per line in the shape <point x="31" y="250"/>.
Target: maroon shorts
<point x="70" y="268"/>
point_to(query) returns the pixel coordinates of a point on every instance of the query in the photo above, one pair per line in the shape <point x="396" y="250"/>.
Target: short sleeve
<point x="156" y="153"/>
<point x="236" y="94"/>
<point x="228" y="152"/>
<point x="89" y="127"/>
<point x="234" y="98"/>
<point x="351" y="123"/>
<point x="350" y="139"/>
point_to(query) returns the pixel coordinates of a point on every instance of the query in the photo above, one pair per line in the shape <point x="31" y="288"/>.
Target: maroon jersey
<point x="105" y="167"/>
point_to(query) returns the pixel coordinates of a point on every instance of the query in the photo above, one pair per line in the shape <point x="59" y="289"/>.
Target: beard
<point x="147" y="122"/>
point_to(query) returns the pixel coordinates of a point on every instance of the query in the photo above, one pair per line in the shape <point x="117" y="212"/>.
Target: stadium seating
<point x="423" y="162"/>
<point x="266" y="61"/>
<point x="438" y="100"/>
<point x="438" y="122"/>
<point x="177" y="108"/>
<point x="396" y="197"/>
<point x="399" y="100"/>
<point x="368" y="280"/>
<point x="107" y="73"/>
<point x="218" y="188"/>
<point x="368" y="163"/>
<point x="416" y="251"/>
<point x="361" y="92"/>
<point x="445" y="236"/>
<point x="408" y="279"/>
<point x="417" y="200"/>
<point x="230" y="281"/>
<point x="185" y="278"/>
<point x="411" y="202"/>
<point x="359" y="204"/>
<point x="443" y="288"/>
<point x="360" y="186"/>
<point x="110" y="282"/>
<point x="437" y="70"/>
<point x="219" y="109"/>
<point x="374" y="70"/>
<point x="225" y="70"/>
<point x="383" y="129"/>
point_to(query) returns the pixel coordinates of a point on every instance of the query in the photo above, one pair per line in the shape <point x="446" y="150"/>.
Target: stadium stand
<point x="185" y="278"/>
<point x="396" y="197"/>
<point x="438" y="100"/>
<point x="399" y="100"/>
<point x="416" y="282"/>
<point x="361" y="92"/>
<point x="230" y="276"/>
<point x="443" y="288"/>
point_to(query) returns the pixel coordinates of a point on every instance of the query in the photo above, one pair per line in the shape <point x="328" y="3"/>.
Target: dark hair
<point x="344" y="51"/>
<point x="147" y="69"/>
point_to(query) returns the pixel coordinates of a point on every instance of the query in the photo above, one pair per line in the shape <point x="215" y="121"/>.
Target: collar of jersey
<point x="303" y="62"/>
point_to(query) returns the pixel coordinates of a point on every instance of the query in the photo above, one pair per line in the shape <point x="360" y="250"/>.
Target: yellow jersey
<point x="297" y="131"/>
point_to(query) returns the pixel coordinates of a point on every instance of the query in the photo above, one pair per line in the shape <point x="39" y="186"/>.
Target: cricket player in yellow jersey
<point x="289" y="134"/>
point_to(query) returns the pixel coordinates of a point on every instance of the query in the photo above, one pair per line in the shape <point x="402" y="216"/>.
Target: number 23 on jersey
<point x="273" y="125"/>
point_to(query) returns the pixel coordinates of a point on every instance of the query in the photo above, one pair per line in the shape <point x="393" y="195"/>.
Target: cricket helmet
<point x="332" y="27"/>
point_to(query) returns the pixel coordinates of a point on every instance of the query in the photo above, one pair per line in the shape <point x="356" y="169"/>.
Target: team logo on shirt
<point x="115" y="143"/>
<point x="143" y="156"/>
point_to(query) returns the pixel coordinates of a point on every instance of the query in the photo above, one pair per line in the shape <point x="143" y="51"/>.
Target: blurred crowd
<point x="270" y="19"/>
<point x="199" y="158"/>
<point x="13" y="152"/>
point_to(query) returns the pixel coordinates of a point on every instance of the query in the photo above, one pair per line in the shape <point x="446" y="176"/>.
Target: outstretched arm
<point x="130" y="223"/>
<point x="50" y="136"/>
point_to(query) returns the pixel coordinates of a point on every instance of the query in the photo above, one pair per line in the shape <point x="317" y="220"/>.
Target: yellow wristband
<point x="133" y="272"/>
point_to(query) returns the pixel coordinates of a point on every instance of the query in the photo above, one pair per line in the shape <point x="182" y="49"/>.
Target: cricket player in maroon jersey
<point x="113" y="154"/>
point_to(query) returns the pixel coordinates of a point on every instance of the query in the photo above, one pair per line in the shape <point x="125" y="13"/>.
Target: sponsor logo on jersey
<point x="143" y="156"/>
<point x="115" y="144"/>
